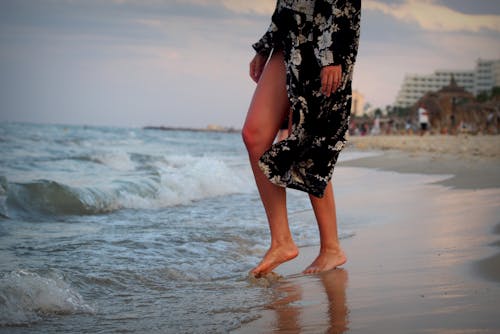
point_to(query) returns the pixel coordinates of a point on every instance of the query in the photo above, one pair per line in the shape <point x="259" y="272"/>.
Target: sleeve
<point x="267" y="43"/>
<point x="337" y="32"/>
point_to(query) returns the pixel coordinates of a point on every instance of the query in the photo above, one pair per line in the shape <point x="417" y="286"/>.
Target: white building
<point x="483" y="78"/>
<point x="487" y="75"/>
<point x="358" y="104"/>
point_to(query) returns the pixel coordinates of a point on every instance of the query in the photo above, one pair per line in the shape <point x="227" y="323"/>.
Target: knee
<point x="249" y="135"/>
<point x="252" y="137"/>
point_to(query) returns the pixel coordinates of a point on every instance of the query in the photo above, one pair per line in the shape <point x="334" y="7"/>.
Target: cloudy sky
<point x="185" y="62"/>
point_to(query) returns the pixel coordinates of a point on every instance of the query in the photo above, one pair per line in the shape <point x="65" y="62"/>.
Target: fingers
<point x="256" y="67"/>
<point x="327" y="83"/>
<point x="337" y="80"/>
<point x="331" y="78"/>
<point x="331" y="82"/>
<point x="252" y="71"/>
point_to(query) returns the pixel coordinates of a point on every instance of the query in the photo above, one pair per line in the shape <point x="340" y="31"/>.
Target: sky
<point x="185" y="63"/>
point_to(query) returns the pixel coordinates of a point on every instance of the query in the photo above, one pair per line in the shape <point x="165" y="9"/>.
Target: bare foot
<point x="274" y="257"/>
<point x="326" y="260"/>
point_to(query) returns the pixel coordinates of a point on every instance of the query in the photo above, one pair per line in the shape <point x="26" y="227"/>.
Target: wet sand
<point x="466" y="146"/>
<point x="474" y="161"/>
<point x="429" y="264"/>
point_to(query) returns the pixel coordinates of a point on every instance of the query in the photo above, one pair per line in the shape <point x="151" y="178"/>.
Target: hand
<point x="257" y="66"/>
<point x="331" y="77"/>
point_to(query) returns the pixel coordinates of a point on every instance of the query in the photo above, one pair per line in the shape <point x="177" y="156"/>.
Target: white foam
<point x="25" y="296"/>
<point x="186" y="178"/>
<point x="203" y="176"/>
<point x="156" y="184"/>
<point x="117" y="160"/>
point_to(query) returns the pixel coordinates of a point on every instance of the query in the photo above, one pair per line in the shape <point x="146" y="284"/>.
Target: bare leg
<point x="267" y="110"/>
<point x="330" y="254"/>
<point x="283" y="133"/>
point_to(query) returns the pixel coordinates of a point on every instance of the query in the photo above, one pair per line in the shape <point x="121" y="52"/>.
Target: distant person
<point x="391" y="126"/>
<point x="453" y="124"/>
<point x="408" y="126"/>
<point x="489" y="121"/>
<point x="423" y="119"/>
<point x="304" y="62"/>
<point x="366" y="128"/>
<point x="376" y="126"/>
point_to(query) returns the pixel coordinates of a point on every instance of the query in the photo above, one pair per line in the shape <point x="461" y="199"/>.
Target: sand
<point x="431" y="266"/>
<point x="461" y="146"/>
<point x="473" y="161"/>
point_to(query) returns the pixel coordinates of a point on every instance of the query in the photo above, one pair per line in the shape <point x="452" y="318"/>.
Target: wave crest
<point x="50" y="197"/>
<point x="154" y="185"/>
<point x="26" y="296"/>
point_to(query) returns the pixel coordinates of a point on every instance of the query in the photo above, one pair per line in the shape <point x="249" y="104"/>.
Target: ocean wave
<point x="117" y="160"/>
<point x="51" y="197"/>
<point x="194" y="178"/>
<point x="155" y="184"/>
<point x="3" y="197"/>
<point x="25" y="297"/>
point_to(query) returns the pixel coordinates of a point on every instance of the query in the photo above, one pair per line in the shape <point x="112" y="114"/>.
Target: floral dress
<point x="312" y="34"/>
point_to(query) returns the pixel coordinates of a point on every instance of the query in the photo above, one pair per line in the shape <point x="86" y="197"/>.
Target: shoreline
<point x="215" y="129"/>
<point x="472" y="162"/>
<point x="430" y="265"/>
<point x="465" y="146"/>
<point x="463" y="173"/>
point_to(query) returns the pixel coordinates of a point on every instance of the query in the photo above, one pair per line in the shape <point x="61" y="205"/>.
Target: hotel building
<point x="483" y="78"/>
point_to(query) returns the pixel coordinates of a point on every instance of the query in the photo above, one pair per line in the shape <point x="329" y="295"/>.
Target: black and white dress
<point x="312" y="34"/>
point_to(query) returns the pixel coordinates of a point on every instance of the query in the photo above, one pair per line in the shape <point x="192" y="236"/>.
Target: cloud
<point x="432" y="16"/>
<point x="260" y="7"/>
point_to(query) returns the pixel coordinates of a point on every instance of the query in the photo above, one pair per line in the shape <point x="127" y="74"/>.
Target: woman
<point x="303" y="63"/>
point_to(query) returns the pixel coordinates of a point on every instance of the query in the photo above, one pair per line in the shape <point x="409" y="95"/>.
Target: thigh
<point x="270" y="103"/>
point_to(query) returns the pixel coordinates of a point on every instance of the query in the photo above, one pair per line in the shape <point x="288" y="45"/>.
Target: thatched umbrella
<point x="446" y="107"/>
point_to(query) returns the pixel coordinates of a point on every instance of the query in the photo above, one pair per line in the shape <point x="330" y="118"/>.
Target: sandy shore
<point x="471" y="161"/>
<point x="464" y="173"/>
<point x="430" y="263"/>
<point x="465" y="146"/>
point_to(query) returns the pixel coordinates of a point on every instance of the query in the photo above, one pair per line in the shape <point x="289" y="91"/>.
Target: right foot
<point x="327" y="260"/>
<point x="274" y="257"/>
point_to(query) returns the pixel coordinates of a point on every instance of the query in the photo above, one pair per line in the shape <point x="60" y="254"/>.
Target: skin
<point x="267" y="110"/>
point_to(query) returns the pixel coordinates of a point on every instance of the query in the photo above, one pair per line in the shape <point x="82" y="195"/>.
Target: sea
<point x="131" y="230"/>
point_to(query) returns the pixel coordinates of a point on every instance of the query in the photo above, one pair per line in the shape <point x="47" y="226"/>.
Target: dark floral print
<point x="312" y="34"/>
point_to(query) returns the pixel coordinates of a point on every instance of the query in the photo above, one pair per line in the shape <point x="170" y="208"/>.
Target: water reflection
<point x="312" y="303"/>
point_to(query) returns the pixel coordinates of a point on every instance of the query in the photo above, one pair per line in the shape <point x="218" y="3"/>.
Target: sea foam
<point x="118" y="160"/>
<point x="25" y="297"/>
<point x="185" y="178"/>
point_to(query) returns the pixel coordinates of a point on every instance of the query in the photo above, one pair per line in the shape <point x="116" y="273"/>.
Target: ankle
<point x="331" y="248"/>
<point x="283" y="243"/>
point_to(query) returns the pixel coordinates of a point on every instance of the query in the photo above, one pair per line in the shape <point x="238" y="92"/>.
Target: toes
<point x="262" y="270"/>
<point x="311" y="270"/>
<point x="257" y="272"/>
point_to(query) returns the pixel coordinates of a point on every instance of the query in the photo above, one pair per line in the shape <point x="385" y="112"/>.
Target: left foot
<point x="326" y="260"/>
<point x="274" y="257"/>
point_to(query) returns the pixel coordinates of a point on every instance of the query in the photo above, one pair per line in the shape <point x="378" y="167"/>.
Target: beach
<point x="430" y="263"/>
